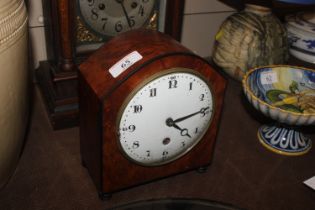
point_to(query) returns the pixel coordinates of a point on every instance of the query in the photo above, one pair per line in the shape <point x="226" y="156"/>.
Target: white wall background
<point x="201" y="21"/>
<point x="36" y="31"/>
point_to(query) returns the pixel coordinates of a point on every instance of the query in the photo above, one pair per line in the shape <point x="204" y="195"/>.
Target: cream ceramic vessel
<point x="14" y="84"/>
<point x="248" y="39"/>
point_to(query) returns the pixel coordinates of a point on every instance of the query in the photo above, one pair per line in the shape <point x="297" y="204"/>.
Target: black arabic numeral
<point x="132" y="21"/>
<point x="153" y="92"/>
<point x="90" y="2"/>
<point x="135" y="144"/>
<point x="204" y="112"/>
<point x="148" y="153"/>
<point x="202" y="97"/>
<point x="101" y="6"/>
<point x="130" y="128"/>
<point x="137" y="108"/>
<point x="141" y="10"/>
<point x="196" y="130"/>
<point x="94" y="15"/>
<point x="164" y="155"/>
<point x="183" y="144"/>
<point x="104" y="23"/>
<point x="118" y="26"/>
<point x="172" y="84"/>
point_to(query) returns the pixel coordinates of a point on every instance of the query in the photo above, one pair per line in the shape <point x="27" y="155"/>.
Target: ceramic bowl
<point x="283" y="93"/>
<point x="301" y="35"/>
<point x="286" y="94"/>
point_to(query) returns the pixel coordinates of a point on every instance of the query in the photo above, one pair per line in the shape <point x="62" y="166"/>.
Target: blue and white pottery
<point x="286" y="94"/>
<point x="301" y="35"/>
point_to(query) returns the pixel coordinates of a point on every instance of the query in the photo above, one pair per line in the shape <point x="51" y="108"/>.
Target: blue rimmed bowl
<point x="286" y="94"/>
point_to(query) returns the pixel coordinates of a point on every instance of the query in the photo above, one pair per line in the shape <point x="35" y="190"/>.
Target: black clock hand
<point x="183" y="132"/>
<point x="121" y="2"/>
<point x="201" y="111"/>
<point x="171" y="123"/>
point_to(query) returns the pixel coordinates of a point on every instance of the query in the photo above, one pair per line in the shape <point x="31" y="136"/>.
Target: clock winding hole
<point x="101" y="6"/>
<point x="134" y="5"/>
<point x="166" y="141"/>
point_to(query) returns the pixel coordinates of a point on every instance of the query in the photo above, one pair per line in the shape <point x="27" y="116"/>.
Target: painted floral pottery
<point x="250" y="38"/>
<point x="14" y="92"/>
<point x="286" y="94"/>
<point x="301" y="34"/>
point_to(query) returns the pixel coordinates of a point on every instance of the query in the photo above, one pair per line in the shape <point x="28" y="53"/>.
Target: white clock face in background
<point x="166" y="117"/>
<point x="111" y="17"/>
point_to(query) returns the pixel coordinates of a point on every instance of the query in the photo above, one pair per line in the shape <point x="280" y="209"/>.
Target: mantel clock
<point x="150" y="110"/>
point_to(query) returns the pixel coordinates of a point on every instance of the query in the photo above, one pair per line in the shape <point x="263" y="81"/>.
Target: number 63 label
<point x="124" y="63"/>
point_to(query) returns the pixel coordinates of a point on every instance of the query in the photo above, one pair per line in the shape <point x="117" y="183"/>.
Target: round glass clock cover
<point x="166" y="117"/>
<point x="111" y="17"/>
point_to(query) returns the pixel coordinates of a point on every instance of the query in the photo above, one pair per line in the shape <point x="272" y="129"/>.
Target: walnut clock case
<point x="149" y="108"/>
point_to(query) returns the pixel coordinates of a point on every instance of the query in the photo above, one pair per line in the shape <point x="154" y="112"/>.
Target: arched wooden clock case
<point x="102" y="96"/>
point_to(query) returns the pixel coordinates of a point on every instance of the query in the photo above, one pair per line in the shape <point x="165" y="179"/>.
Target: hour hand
<point x="183" y="131"/>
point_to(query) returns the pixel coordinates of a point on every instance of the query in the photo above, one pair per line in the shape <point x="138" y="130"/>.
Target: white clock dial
<point x="166" y="117"/>
<point x="111" y="17"/>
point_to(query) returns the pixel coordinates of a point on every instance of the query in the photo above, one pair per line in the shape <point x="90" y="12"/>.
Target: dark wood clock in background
<point x="72" y="35"/>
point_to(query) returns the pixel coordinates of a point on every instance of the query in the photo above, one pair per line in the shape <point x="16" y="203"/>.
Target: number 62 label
<point x="268" y="78"/>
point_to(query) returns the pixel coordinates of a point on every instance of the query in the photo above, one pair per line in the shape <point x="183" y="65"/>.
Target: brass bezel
<point x="144" y="83"/>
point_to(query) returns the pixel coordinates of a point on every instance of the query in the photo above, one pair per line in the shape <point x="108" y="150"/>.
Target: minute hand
<point x="202" y="110"/>
<point x="121" y="2"/>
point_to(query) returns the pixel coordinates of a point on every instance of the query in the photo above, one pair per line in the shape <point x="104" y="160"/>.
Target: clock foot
<point x="202" y="169"/>
<point x="104" y="196"/>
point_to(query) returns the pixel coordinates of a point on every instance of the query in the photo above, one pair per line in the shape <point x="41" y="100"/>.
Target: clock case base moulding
<point x="102" y="95"/>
